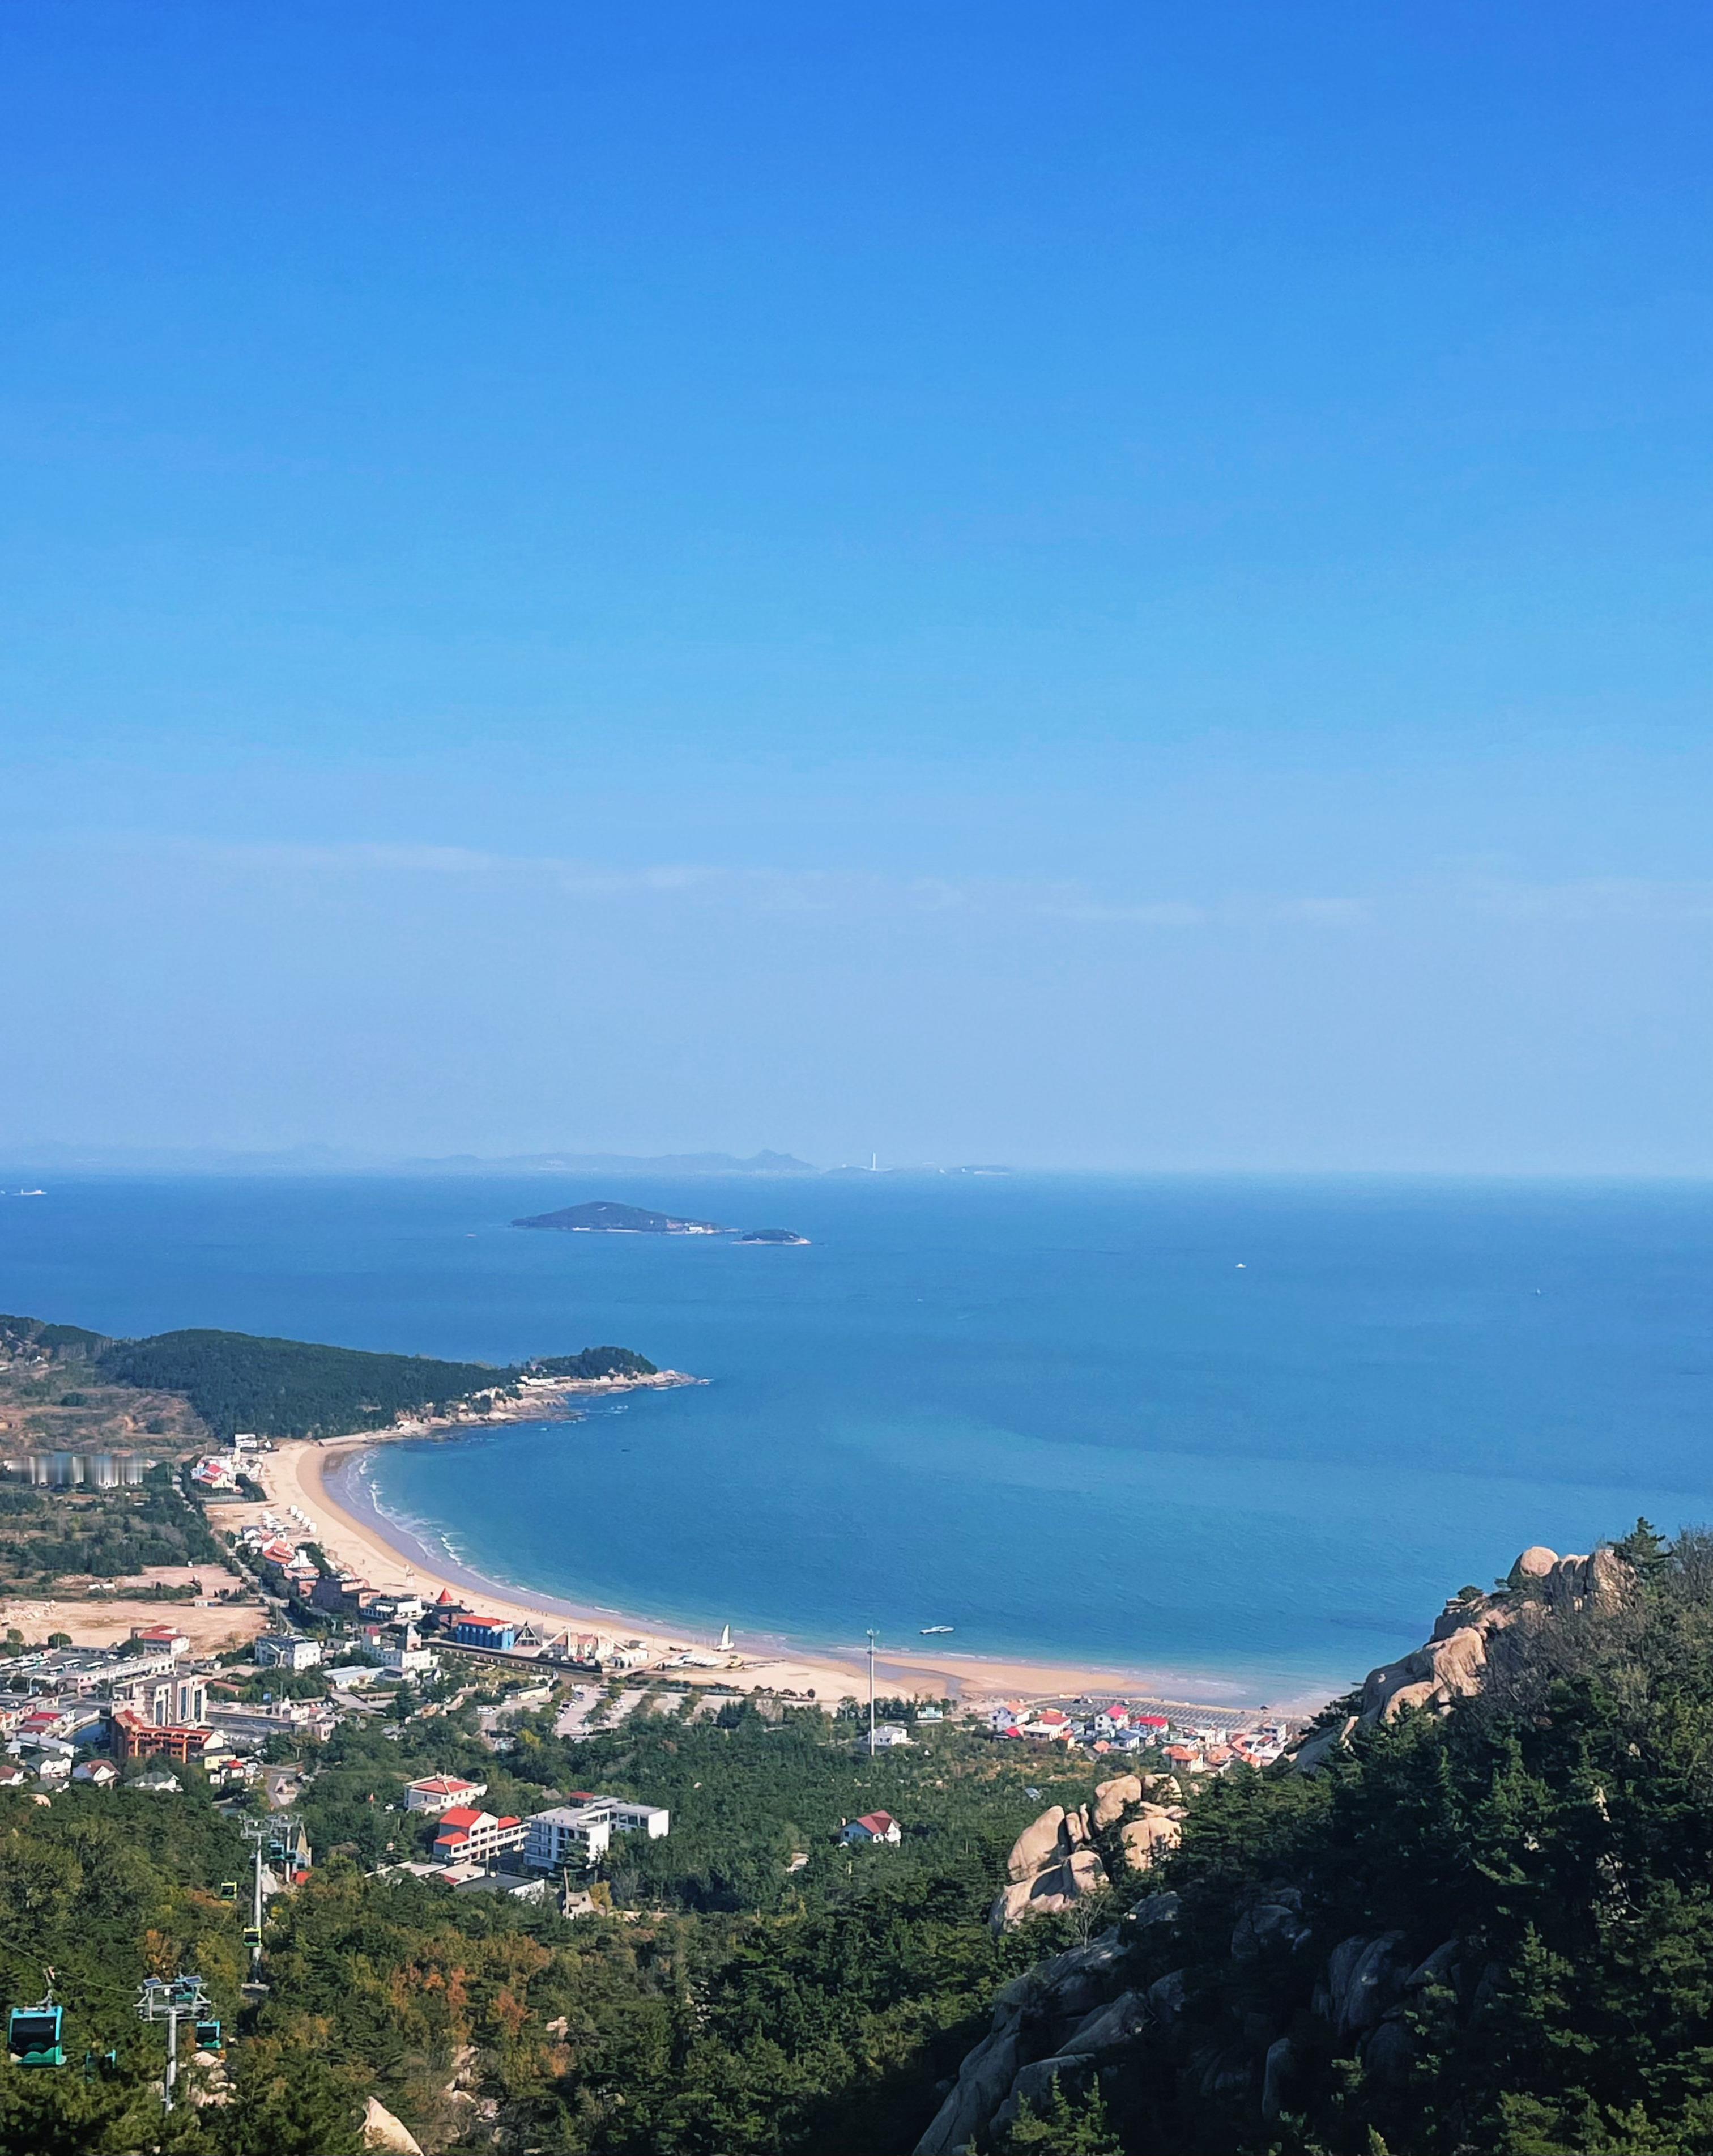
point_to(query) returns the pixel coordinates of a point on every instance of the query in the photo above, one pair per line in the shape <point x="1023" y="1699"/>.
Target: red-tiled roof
<point x="877" y="1822"/>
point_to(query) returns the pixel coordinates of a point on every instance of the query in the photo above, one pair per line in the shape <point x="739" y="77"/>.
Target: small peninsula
<point x="771" y="1235"/>
<point x="603" y="1217"/>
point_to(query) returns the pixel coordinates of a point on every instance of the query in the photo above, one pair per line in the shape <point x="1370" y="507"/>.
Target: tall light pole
<point x="871" y="1694"/>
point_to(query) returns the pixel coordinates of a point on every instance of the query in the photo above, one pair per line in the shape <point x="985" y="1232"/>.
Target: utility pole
<point x="871" y="1694"/>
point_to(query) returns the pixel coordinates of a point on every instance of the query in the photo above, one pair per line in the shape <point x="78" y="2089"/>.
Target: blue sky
<point x="1121" y="586"/>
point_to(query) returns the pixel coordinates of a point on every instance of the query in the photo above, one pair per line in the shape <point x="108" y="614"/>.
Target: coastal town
<point x="316" y="1646"/>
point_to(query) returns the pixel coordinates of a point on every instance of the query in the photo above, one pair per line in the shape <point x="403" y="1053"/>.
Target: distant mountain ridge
<point x="619" y="1163"/>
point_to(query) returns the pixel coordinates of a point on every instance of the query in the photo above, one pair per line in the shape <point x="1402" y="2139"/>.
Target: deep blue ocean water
<point x="1234" y="1430"/>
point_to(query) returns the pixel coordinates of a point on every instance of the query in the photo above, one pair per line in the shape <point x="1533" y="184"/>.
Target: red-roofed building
<point x="165" y="1638"/>
<point x="435" y="1792"/>
<point x="872" y="1826"/>
<point x="468" y="1836"/>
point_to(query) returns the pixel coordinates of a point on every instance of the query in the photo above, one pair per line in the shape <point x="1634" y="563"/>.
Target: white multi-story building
<point x="582" y="1830"/>
<point x="569" y="1834"/>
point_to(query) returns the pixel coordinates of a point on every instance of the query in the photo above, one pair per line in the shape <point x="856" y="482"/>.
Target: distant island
<point x="772" y="1236"/>
<point x="603" y="1217"/>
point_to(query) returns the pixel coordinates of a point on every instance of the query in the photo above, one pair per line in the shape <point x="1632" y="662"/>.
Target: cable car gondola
<point x="33" y="2033"/>
<point x="208" y="2038"/>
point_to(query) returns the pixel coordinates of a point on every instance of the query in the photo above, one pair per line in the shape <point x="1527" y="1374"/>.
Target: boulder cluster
<point x="1065" y="1856"/>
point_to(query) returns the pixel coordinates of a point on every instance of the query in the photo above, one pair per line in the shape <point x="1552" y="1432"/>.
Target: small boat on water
<point x="928" y="1629"/>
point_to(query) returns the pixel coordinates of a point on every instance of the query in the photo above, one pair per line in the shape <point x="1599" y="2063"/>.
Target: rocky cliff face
<point x="1225" y="2022"/>
<point x="1476" y="1637"/>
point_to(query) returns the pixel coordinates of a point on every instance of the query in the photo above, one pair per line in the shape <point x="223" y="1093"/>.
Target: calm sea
<point x="1247" y="1432"/>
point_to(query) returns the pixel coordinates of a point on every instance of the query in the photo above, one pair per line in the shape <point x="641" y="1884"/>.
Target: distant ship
<point x="927" y="1628"/>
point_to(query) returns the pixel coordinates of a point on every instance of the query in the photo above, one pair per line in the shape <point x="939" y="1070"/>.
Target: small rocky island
<point x="601" y="1217"/>
<point x="771" y="1235"/>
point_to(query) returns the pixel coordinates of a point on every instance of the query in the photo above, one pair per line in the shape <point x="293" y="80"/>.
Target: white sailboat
<point x="726" y="1638"/>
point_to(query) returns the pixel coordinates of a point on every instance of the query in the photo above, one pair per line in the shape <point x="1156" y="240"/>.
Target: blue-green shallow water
<point x="1240" y="1430"/>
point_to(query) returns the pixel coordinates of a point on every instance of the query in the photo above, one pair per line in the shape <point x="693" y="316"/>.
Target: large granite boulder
<point x="1146" y="1840"/>
<point x="1113" y="1799"/>
<point x="1036" y="1845"/>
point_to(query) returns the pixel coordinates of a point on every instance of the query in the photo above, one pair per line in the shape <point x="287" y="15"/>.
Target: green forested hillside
<point x="737" y="2006"/>
<point x="292" y="1388"/>
<point x="298" y="1389"/>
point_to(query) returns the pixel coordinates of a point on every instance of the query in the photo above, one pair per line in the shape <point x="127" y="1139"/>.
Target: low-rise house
<point x="469" y="1836"/>
<point x="507" y="1884"/>
<point x="54" y="1767"/>
<point x="166" y="1638"/>
<point x="12" y="1775"/>
<point x="872" y="1827"/>
<point x="158" y="1781"/>
<point x="57" y="1720"/>
<point x="435" y="1792"/>
<point x="353" y="1676"/>
<point x="492" y="1632"/>
<point x="99" y="1774"/>
<point x="887" y="1734"/>
<point x="287" y="1651"/>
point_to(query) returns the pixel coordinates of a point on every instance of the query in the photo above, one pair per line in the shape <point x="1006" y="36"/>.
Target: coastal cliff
<point x="1452" y="1923"/>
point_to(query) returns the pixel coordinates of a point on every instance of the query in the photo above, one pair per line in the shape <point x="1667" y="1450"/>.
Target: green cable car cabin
<point x="34" y="2034"/>
<point x="209" y="2037"/>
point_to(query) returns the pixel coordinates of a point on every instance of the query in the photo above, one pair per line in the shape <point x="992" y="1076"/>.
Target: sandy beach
<point x="297" y="1473"/>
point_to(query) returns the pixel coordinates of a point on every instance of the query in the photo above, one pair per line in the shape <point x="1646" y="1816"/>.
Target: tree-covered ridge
<point x="592" y="1362"/>
<point x="241" y="1381"/>
<point x="293" y="1388"/>
<point x="35" y="1336"/>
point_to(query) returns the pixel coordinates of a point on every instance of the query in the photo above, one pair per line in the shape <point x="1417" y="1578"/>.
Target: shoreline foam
<point x="384" y="1551"/>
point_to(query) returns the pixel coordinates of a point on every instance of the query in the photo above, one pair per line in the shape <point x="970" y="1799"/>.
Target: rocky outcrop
<point x="1059" y="2017"/>
<point x="1058" y="1859"/>
<point x="1471" y="1637"/>
<point x="382" y="2130"/>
